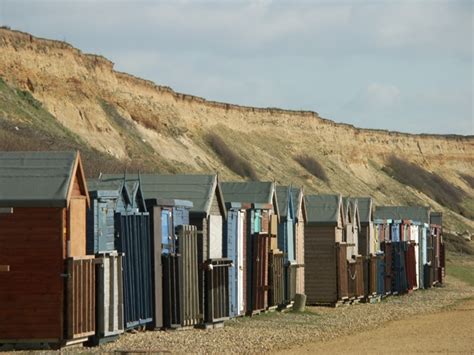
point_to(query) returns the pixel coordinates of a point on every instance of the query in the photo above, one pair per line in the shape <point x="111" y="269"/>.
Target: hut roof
<point x="364" y="204"/>
<point x="414" y="213"/>
<point x="39" y="179"/>
<point x="284" y="194"/>
<point x="323" y="209"/>
<point x="436" y="218"/>
<point x="348" y="209"/>
<point x="199" y="189"/>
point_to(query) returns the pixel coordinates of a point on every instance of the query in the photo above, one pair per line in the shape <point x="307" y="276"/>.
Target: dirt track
<point x="451" y="331"/>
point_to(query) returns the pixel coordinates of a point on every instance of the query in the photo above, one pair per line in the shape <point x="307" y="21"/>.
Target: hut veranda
<point x="83" y="261"/>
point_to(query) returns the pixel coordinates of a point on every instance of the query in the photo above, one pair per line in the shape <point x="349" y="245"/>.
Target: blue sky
<point x="398" y="65"/>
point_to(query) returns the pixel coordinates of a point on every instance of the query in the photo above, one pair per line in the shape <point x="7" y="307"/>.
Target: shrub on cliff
<point x="312" y="166"/>
<point x="234" y="162"/>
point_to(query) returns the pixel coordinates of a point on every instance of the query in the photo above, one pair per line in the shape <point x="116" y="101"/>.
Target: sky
<point x="397" y="65"/>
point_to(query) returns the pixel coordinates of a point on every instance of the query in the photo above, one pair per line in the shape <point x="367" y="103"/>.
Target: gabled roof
<point x="365" y="207"/>
<point x="256" y="192"/>
<point x="127" y="186"/>
<point x="298" y="201"/>
<point x="199" y="189"/>
<point x="413" y="213"/>
<point x="285" y="201"/>
<point x="324" y="209"/>
<point x="355" y="211"/>
<point x="39" y="179"/>
<point x="348" y="210"/>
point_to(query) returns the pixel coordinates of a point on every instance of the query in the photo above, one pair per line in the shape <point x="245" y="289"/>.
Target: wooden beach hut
<point x="47" y="281"/>
<point x="326" y="273"/>
<point x="208" y="215"/>
<point x="265" y="274"/>
<point x="286" y="239"/>
<point x="131" y="238"/>
<point x="235" y="248"/>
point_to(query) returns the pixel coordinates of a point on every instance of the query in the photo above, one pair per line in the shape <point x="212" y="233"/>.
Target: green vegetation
<point x="234" y="162"/>
<point x="463" y="272"/>
<point x="26" y="125"/>
<point x="312" y="166"/>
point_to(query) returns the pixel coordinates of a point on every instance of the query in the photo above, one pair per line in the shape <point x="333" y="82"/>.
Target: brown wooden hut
<point x="47" y="292"/>
<point x="325" y="252"/>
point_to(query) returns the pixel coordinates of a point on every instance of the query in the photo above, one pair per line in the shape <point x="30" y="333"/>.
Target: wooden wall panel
<point x="320" y="265"/>
<point x="77" y="227"/>
<point x="31" y="293"/>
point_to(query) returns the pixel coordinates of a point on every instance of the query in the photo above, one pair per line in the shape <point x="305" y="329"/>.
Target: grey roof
<point x="323" y="209"/>
<point x="36" y="179"/>
<point x="199" y="189"/>
<point x="364" y="204"/>
<point x="414" y="213"/>
<point x="248" y="192"/>
<point x="111" y="183"/>
<point x="436" y="218"/>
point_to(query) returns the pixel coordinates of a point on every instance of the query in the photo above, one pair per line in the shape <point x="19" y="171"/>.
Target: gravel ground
<point x="276" y="331"/>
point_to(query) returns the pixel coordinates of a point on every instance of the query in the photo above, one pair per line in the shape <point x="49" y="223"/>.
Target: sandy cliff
<point x="125" y="116"/>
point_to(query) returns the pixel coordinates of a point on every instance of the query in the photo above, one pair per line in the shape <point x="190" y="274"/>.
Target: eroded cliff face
<point x="111" y="110"/>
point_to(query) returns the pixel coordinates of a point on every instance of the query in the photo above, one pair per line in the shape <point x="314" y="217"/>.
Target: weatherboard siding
<point x="320" y="264"/>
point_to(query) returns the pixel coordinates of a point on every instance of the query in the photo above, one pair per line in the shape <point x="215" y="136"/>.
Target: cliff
<point x="141" y="124"/>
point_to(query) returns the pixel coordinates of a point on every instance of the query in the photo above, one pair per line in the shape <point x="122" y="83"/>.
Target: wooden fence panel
<point x="342" y="272"/>
<point x="80" y="297"/>
<point x="276" y="278"/>
<point x="189" y="275"/>
<point x="217" y="290"/>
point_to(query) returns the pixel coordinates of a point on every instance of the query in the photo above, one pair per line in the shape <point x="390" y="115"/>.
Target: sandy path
<point x="450" y="331"/>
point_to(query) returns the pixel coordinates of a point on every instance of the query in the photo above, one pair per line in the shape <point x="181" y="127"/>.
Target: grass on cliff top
<point x="25" y="125"/>
<point x="431" y="184"/>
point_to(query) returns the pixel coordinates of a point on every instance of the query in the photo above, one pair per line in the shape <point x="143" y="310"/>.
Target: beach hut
<point x="366" y="244"/>
<point x="265" y="274"/>
<point x="131" y="238"/>
<point x="326" y="273"/>
<point x="47" y="281"/>
<point x="382" y="258"/>
<point x="410" y="228"/>
<point x="438" y="250"/>
<point x="286" y="239"/>
<point x="235" y="248"/>
<point x="175" y="264"/>
<point x="208" y="215"/>
<point x="299" y="223"/>
<point x="101" y="242"/>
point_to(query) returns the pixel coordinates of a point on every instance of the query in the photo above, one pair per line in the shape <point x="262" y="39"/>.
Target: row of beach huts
<point x="84" y="261"/>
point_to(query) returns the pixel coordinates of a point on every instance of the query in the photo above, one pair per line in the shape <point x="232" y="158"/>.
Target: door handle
<point x="4" y="268"/>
